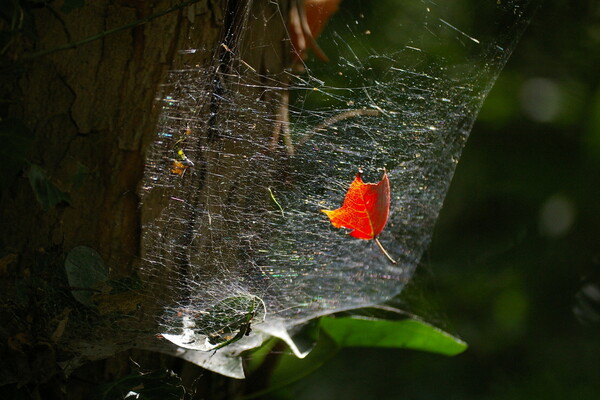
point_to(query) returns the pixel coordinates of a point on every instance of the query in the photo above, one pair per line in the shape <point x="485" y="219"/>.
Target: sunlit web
<point x="244" y="158"/>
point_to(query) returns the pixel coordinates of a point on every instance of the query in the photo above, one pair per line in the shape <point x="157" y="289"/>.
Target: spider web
<point x="246" y="155"/>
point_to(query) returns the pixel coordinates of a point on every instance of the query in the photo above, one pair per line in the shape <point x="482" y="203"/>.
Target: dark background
<point x="515" y="258"/>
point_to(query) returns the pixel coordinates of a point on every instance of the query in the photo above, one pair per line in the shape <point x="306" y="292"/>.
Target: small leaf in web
<point x="365" y="209"/>
<point x="224" y="323"/>
<point x="179" y="168"/>
<point x="232" y="317"/>
<point x="180" y="160"/>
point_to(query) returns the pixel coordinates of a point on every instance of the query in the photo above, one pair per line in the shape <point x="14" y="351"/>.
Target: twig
<point x="307" y="32"/>
<point x="336" y="118"/>
<point x="282" y="124"/>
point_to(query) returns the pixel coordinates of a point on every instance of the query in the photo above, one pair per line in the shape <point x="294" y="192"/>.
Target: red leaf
<point x="318" y="13"/>
<point x="306" y="24"/>
<point x="365" y="209"/>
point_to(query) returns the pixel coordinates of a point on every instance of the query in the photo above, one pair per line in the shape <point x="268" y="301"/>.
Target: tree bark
<point x="93" y="113"/>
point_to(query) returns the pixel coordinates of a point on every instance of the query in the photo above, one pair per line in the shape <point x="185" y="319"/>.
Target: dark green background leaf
<point x="47" y="194"/>
<point x="70" y="5"/>
<point x="85" y="270"/>
<point x="16" y="140"/>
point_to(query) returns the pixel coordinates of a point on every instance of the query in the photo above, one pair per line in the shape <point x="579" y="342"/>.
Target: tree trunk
<point x="93" y="113"/>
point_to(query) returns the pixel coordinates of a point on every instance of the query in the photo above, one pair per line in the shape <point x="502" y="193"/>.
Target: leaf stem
<point x="384" y="251"/>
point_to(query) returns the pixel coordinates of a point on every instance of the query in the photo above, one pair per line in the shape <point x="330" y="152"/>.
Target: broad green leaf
<point x="290" y="368"/>
<point x="405" y="333"/>
<point x="86" y="273"/>
<point x="46" y="193"/>
<point x="256" y="357"/>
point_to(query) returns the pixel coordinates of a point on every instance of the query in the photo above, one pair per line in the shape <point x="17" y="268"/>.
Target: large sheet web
<point x="246" y="156"/>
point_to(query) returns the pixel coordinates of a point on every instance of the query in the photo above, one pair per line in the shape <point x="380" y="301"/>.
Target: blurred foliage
<point x="515" y="253"/>
<point x="516" y="246"/>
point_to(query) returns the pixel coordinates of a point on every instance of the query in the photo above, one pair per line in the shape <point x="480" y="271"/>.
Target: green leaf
<point x="290" y="368"/>
<point x="255" y="358"/>
<point x="407" y="333"/>
<point x="16" y="140"/>
<point x="86" y="273"/>
<point x="46" y="193"/>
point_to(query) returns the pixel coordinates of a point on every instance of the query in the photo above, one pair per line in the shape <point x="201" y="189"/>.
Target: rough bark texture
<point x="93" y="113"/>
<point x="92" y="110"/>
